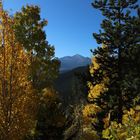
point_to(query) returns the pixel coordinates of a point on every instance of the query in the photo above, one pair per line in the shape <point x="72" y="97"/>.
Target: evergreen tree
<point x="113" y="67"/>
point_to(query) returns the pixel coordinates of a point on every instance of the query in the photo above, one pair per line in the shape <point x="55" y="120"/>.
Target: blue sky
<point x="70" y="23"/>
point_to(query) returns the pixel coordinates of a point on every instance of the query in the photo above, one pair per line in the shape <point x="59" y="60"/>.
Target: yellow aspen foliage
<point x="98" y="86"/>
<point x="128" y="130"/>
<point x="95" y="65"/>
<point x="133" y="113"/>
<point x="90" y="110"/>
<point x="96" y="91"/>
<point x="89" y="118"/>
<point x="89" y="113"/>
<point x="17" y="101"/>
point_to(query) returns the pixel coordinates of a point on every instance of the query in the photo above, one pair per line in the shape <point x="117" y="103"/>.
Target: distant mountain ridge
<point x="72" y="62"/>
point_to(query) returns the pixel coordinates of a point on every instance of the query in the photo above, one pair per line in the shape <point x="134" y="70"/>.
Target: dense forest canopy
<point x="98" y="102"/>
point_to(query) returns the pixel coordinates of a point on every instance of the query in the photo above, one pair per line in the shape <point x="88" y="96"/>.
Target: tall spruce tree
<point x="113" y="64"/>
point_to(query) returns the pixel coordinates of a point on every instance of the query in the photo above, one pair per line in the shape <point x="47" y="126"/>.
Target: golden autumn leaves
<point x="17" y="100"/>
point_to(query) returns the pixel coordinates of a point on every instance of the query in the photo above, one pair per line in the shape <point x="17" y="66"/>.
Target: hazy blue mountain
<point x="71" y="62"/>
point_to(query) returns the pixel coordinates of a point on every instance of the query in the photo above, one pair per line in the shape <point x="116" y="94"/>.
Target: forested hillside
<point x="71" y="85"/>
<point x="97" y="99"/>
